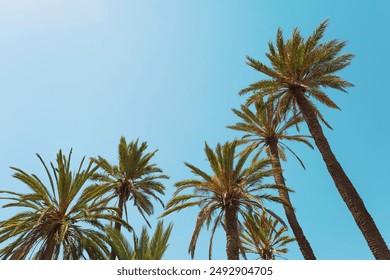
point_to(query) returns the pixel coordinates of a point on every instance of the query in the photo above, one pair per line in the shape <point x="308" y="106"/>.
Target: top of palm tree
<point x="229" y="184"/>
<point x="134" y="175"/>
<point x="266" y="125"/>
<point x="57" y="219"/>
<point x="264" y="236"/>
<point x="300" y="64"/>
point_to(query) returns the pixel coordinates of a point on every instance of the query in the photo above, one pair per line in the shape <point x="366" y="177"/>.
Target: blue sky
<point x="83" y="73"/>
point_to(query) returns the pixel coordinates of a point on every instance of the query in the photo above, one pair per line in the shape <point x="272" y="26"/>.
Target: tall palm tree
<point x="230" y="192"/>
<point x="133" y="179"/>
<point x="144" y="247"/>
<point x="301" y="69"/>
<point x="267" y="129"/>
<point x="263" y="236"/>
<point x="59" y="218"/>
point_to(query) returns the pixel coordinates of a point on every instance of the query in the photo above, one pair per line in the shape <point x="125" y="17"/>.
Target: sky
<point x="81" y="73"/>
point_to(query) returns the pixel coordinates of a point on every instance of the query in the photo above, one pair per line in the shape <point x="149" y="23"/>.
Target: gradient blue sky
<point x="83" y="73"/>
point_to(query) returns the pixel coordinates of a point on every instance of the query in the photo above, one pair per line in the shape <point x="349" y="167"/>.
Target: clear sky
<point x="82" y="73"/>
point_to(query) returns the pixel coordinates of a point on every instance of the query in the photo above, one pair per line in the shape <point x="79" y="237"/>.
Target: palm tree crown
<point x="265" y="126"/>
<point x="133" y="179"/>
<point x="224" y="196"/>
<point x="57" y="219"/>
<point x="264" y="236"/>
<point x="302" y="64"/>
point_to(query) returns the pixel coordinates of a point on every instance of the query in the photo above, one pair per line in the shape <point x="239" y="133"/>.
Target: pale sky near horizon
<point x="83" y="73"/>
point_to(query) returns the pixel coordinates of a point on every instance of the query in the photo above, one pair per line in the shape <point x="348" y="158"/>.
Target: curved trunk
<point x="347" y="191"/>
<point x="303" y="243"/>
<point x="118" y="225"/>
<point x="232" y="235"/>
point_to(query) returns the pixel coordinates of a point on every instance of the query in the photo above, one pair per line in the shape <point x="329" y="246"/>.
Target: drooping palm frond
<point x="134" y="178"/>
<point x="231" y="185"/>
<point x="266" y="125"/>
<point x="63" y="220"/>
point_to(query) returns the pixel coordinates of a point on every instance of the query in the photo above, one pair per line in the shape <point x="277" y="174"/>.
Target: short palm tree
<point x="226" y="195"/>
<point x="61" y="218"/>
<point x="267" y="129"/>
<point x="144" y="247"/>
<point x="264" y="236"/>
<point x="133" y="179"/>
<point x="300" y="70"/>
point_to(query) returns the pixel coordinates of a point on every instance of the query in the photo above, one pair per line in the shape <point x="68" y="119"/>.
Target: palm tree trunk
<point x="303" y="243"/>
<point x="48" y="254"/>
<point x="118" y="225"/>
<point x="347" y="191"/>
<point x="232" y="235"/>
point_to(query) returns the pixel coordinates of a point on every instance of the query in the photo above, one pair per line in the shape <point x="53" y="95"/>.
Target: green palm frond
<point x="64" y="220"/>
<point x="134" y="178"/>
<point x="266" y="124"/>
<point x="232" y="183"/>
<point x="143" y="247"/>
<point x="301" y="63"/>
<point x="122" y="247"/>
<point x="263" y="236"/>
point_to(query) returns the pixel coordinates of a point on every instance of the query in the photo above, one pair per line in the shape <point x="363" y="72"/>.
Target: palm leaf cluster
<point x="230" y="192"/>
<point x="144" y="247"/>
<point x="57" y="219"/>
<point x="71" y="218"/>
<point x="265" y="124"/>
<point x="134" y="179"/>
<point x="264" y="236"/>
<point x="300" y="64"/>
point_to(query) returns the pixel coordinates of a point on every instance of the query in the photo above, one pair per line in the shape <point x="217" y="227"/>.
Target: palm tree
<point x="263" y="237"/>
<point x="300" y="70"/>
<point x="144" y="247"/>
<point x="266" y="129"/>
<point x="230" y="192"/>
<point x="133" y="179"/>
<point x="59" y="218"/>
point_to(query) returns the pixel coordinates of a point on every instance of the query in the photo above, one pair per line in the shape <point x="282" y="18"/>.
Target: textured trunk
<point x="117" y="225"/>
<point x="347" y="191"/>
<point x="303" y="243"/>
<point x="232" y="235"/>
<point x="48" y="254"/>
